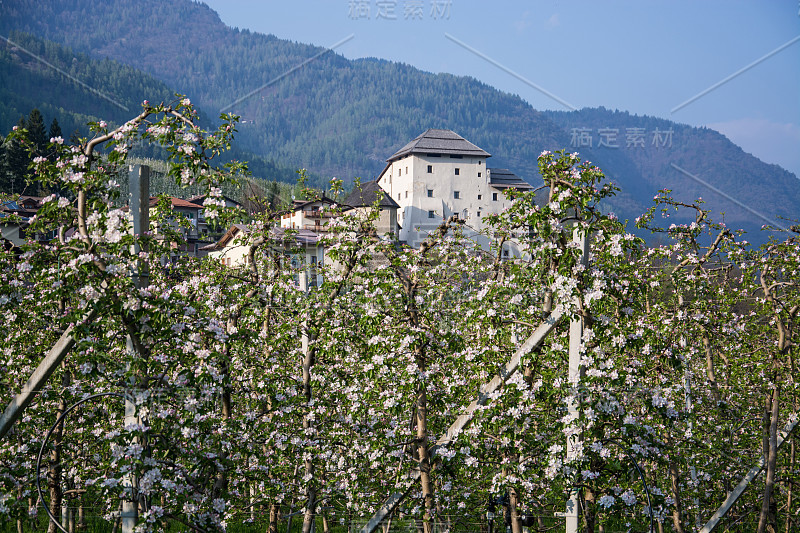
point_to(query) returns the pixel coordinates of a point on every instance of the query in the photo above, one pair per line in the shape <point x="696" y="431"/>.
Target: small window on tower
<point x="456" y="194"/>
<point x="406" y="194"/>
<point x="457" y="172"/>
<point x="479" y="174"/>
<point x="430" y="193"/>
<point x="430" y="169"/>
<point x="480" y="196"/>
<point x="494" y="196"/>
<point x="431" y="214"/>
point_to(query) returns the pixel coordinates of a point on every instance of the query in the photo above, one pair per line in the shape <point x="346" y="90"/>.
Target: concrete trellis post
<point x="574" y="374"/>
<point x="139" y="202"/>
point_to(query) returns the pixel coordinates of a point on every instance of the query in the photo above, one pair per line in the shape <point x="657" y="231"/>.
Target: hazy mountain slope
<point x="688" y="163"/>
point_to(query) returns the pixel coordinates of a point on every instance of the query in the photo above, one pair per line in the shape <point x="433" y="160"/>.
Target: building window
<point x="505" y="253"/>
<point x="399" y="171"/>
<point x="431" y="214"/>
<point x="479" y="174"/>
<point x="457" y="172"/>
<point x="456" y="194"/>
<point x="479" y="214"/>
<point x="406" y="194"/>
<point x="479" y="161"/>
<point x="406" y="171"/>
<point x="398" y="196"/>
<point x="430" y="169"/>
<point x="494" y="196"/>
<point x="480" y="196"/>
<point x="456" y="156"/>
<point x="430" y="193"/>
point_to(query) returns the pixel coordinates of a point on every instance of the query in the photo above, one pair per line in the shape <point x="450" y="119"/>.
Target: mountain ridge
<point x="340" y="117"/>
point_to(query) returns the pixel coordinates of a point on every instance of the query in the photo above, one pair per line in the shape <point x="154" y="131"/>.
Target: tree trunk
<point x="326" y="527"/>
<point x="589" y="516"/>
<point x="767" y="518"/>
<point x="710" y="373"/>
<point x="311" y="488"/>
<point x="274" y="515"/>
<point x="54" y="475"/>
<point x="424" y="457"/>
<point x="513" y="509"/>
<point x="677" y="509"/>
<point x="789" y="495"/>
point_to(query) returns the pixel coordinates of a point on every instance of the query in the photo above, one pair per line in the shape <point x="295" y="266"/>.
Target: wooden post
<point x="574" y="375"/>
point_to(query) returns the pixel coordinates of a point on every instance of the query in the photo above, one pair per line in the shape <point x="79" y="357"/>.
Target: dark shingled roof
<point x="434" y="141"/>
<point x="501" y="178"/>
<point x="366" y="196"/>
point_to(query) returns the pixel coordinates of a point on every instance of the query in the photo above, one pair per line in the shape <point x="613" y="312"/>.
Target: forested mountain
<point x="74" y="89"/>
<point x="343" y="118"/>
<point x="649" y="153"/>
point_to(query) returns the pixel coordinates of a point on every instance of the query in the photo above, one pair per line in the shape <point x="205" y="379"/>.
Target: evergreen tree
<point x="5" y="180"/>
<point x="37" y="132"/>
<point x="55" y="129"/>
<point x="17" y="161"/>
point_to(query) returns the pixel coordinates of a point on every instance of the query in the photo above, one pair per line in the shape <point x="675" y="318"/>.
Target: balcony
<point x="316" y="213"/>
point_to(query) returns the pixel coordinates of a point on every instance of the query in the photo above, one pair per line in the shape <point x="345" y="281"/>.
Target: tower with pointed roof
<point x="439" y="174"/>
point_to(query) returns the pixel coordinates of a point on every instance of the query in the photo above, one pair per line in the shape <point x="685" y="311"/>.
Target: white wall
<point x="407" y="181"/>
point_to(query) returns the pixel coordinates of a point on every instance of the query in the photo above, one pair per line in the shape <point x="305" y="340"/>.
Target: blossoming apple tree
<point x="258" y="397"/>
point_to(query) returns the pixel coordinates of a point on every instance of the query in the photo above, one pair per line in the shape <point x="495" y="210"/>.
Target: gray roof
<point x="367" y="194"/>
<point x="443" y="142"/>
<point x="301" y="236"/>
<point x="502" y="178"/>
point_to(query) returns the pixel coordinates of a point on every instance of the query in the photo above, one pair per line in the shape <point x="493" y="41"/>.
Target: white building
<point x="300" y="247"/>
<point x="440" y="174"/>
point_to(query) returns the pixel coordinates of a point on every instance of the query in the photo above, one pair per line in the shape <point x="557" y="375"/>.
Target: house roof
<point x="176" y="202"/>
<point x="303" y="236"/>
<point x="24" y="206"/>
<point x="439" y="142"/>
<point x="234" y="230"/>
<point x="368" y="194"/>
<point x="198" y="200"/>
<point x="300" y="204"/>
<point x="502" y="178"/>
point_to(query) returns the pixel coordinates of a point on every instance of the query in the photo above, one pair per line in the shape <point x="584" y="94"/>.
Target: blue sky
<point x="642" y="57"/>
